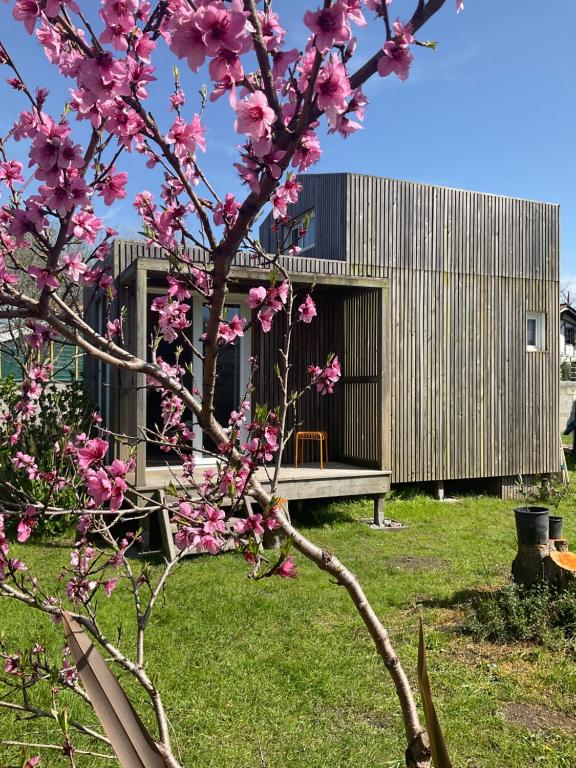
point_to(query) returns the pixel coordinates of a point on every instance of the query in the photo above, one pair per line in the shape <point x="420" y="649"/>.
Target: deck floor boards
<point x="296" y="483"/>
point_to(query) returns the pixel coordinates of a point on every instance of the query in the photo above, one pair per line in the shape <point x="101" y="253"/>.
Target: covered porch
<point x="353" y="322"/>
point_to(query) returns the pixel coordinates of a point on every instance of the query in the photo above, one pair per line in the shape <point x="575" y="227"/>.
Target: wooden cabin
<point x="443" y="308"/>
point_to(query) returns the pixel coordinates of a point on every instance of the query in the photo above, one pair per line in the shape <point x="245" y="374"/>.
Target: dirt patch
<point x="537" y="717"/>
<point x="416" y="564"/>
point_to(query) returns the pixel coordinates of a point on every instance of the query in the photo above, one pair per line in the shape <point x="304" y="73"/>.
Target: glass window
<point x="569" y="334"/>
<point x="535" y="331"/>
<point x="301" y="231"/>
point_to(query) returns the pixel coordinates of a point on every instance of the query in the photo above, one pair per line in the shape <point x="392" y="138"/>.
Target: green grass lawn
<point x="282" y="674"/>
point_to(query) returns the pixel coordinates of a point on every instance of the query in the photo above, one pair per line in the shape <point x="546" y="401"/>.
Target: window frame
<point x="293" y="225"/>
<point x="540" y="332"/>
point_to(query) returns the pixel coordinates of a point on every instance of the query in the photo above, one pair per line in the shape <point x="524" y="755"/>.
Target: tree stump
<point x="550" y="562"/>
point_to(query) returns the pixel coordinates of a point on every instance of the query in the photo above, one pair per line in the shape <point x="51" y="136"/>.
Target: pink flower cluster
<point x="103" y="483"/>
<point x="200" y="527"/>
<point x="172" y="316"/>
<point x="262" y="441"/>
<point x="286" y="194"/>
<point x="268" y="302"/>
<point x="8" y="564"/>
<point x="325" y="378"/>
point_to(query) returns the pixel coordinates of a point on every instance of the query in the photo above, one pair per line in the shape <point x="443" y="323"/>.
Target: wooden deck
<point x="296" y="484"/>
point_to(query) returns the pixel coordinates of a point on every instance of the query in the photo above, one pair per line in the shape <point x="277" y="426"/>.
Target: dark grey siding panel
<point x="325" y="194"/>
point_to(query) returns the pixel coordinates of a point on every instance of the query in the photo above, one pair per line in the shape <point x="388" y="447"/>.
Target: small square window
<point x="535" y="331"/>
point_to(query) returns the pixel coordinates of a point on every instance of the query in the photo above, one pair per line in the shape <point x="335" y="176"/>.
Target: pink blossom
<point x="110" y="586"/>
<point x="177" y="99"/>
<point x="459" y="5"/>
<point x="32" y="762"/>
<point x="226" y="67"/>
<point x="172" y="317"/>
<point x="229" y="331"/>
<point x="11" y="172"/>
<point x="253" y="523"/>
<point x="44" y="278"/>
<point x="25" y="462"/>
<point x="12" y="665"/>
<point x="114" y="187"/>
<point x="74" y="265"/>
<point x="353" y="10"/>
<point x="307" y="310"/>
<point x="27" y="12"/>
<point x="377" y="5"/>
<point x="284" y="195"/>
<point x="226" y="213"/>
<point x="256" y="297"/>
<point x="187" y="41"/>
<point x="113" y="328"/>
<point x="85" y="226"/>
<point x="254" y="117"/>
<point x="93" y="452"/>
<point x="39" y="335"/>
<point x="396" y="58"/>
<point x="98" y="486"/>
<point x="282" y="60"/>
<point x="329" y="26"/>
<point x="308" y="151"/>
<point x="272" y="32"/>
<point x="26" y="524"/>
<point x="287" y="569"/>
<point x="187" y="137"/>
<point x="332" y="87"/>
<point x="222" y="29"/>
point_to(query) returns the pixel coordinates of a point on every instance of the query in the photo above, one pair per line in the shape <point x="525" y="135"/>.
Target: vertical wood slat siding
<point x="468" y="399"/>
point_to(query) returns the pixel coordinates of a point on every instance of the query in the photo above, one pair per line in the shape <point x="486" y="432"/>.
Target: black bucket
<point x="532" y="525"/>
<point x="555" y="527"/>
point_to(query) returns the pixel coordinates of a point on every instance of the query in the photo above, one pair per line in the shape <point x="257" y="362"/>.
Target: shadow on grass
<point x="314" y="515"/>
<point x="460" y="599"/>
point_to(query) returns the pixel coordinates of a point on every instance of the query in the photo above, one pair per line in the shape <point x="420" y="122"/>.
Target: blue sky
<point x="493" y="109"/>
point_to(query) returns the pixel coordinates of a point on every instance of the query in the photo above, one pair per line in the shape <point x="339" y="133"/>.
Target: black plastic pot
<point x="532" y="525"/>
<point x="555" y="527"/>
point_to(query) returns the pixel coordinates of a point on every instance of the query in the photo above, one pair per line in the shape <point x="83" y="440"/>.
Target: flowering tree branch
<point x="277" y="109"/>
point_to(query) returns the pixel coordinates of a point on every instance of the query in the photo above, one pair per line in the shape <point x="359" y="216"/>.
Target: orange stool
<point x="321" y="437"/>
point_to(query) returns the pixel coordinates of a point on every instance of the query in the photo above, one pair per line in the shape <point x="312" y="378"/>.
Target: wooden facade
<point x="468" y="400"/>
<point x="424" y="293"/>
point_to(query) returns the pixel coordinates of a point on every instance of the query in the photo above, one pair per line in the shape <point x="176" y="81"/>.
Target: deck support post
<point x="379" y="520"/>
<point x="439" y="490"/>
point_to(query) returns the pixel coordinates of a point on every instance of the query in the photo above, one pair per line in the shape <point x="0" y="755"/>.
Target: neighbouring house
<point x="567" y="367"/>
<point x="442" y="306"/>
<point x="568" y="342"/>
<point x="66" y="359"/>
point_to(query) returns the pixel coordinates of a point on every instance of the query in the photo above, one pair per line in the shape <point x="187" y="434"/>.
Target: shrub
<point x="540" y="614"/>
<point x="60" y="405"/>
